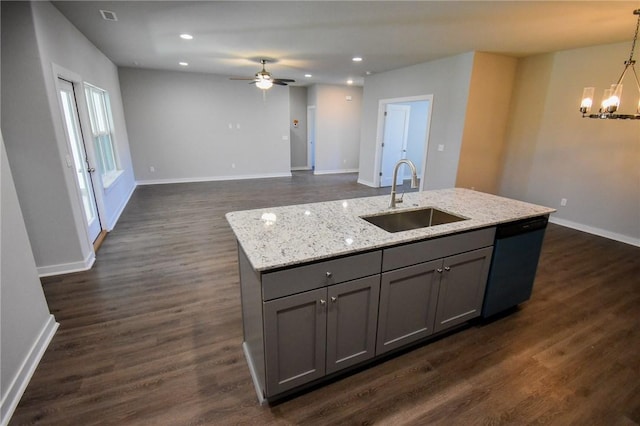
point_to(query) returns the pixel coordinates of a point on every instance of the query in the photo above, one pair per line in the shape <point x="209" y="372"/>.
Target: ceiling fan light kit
<point x="612" y="96"/>
<point x="264" y="80"/>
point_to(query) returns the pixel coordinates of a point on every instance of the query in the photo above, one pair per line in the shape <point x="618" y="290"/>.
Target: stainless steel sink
<point x="411" y="219"/>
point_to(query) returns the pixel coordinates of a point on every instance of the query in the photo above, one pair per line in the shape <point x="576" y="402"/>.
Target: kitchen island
<point x="324" y="290"/>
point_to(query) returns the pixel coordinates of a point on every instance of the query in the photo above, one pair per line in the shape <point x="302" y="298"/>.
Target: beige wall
<point x="483" y="139"/>
<point x="553" y="153"/>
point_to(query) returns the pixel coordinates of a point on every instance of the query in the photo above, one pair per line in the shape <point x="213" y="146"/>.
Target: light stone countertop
<point x="283" y="236"/>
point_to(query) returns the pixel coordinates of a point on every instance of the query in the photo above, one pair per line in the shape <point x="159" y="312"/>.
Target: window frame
<point x="103" y="134"/>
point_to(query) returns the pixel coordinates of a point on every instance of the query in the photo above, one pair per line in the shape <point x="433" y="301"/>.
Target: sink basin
<point x="411" y="219"/>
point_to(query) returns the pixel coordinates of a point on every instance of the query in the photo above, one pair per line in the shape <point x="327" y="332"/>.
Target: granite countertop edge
<point x="284" y="236"/>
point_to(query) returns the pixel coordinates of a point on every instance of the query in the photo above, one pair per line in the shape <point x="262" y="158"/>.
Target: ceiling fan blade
<point x="242" y="78"/>
<point x="286" y="80"/>
<point x="279" y="82"/>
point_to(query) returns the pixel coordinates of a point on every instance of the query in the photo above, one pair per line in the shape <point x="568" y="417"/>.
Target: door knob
<point x="91" y="169"/>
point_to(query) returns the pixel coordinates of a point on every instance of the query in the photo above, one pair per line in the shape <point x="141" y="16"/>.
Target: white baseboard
<point x="113" y="220"/>
<point x="366" y="182"/>
<point x="212" y="178"/>
<point x="596" y="231"/>
<point x="67" y="268"/>
<point x="333" y="172"/>
<point x="294" y="169"/>
<point x="16" y="389"/>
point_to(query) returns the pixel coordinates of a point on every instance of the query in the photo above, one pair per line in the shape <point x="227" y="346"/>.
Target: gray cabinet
<point x="419" y="300"/>
<point x="318" y="332"/>
<point x="352" y="322"/>
<point x="305" y="322"/>
<point x="408" y="298"/>
<point x="462" y="285"/>
<point x="295" y="335"/>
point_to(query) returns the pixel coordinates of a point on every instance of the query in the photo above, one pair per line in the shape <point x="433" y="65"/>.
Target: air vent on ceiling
<point x="107" y="15"/>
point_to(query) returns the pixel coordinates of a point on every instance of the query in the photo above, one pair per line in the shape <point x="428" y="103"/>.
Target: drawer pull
<point x="323" y="302"/>
<point x="334" y="299"/>
<point x="329" y="274"/>
<point x="447" y="268"/>
<point x="439" y="270"/>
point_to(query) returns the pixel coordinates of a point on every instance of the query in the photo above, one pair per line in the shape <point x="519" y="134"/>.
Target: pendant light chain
<point x="635" y="36"/>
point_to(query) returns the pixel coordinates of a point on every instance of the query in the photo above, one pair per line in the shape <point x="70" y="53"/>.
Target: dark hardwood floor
<point x="152" y="334"/>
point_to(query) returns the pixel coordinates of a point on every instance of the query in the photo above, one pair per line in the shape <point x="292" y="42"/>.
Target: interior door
<point x="394" y="142"/>
<point x="79" y="162"/>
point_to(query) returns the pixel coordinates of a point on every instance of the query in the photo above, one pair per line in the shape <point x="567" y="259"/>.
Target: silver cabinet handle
<point x="334" y="299"/>
<point x="439" y="270"/>
<point x="447" y="268"/>
<point x="91" y="169"/>
<point x="329" y="274"/>
<point x="323" y="302"/>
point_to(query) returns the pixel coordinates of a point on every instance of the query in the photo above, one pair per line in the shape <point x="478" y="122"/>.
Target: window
<point x="102" y="132"/>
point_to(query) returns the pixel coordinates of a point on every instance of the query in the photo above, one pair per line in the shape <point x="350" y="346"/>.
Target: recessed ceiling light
<point x="308" y="75"/>
<point x="186" y="36"/>
<point x="356" y="59"/>
<point x="368" y="73"/>
<point x="349" y="81"/>
<point x="184" y="64"/>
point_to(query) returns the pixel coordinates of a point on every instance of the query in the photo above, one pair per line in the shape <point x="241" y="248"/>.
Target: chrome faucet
<point x="414" y="181"/>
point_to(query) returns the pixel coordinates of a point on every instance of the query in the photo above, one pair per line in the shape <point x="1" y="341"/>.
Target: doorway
<point x="394" y="141"/>
<point x="403" y="133"/>
<point x="79" y="160"/>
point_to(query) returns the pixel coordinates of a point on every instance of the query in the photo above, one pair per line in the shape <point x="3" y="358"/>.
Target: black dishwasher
<point x="516" y="252"/>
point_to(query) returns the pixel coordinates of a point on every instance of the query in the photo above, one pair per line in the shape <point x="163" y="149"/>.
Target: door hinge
<point x="380" y="174"/>
<point x="385" y="113"/>
<point x="383" y="144"/>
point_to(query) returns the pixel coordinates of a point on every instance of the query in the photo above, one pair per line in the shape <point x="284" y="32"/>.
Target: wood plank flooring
<point x="152" y="334"/>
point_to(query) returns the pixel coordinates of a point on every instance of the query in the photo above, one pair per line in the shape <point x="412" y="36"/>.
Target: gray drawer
<point x="308" y="277"/>
<point x="424" y="251"/>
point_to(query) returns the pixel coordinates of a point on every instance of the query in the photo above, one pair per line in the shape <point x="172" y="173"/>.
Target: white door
<point x="394" y="142"/>
<point x="79" y="162"/>
<point x="311" y="137"/>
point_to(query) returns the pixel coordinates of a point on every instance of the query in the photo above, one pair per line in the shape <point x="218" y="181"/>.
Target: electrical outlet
<point x="152" y="169"/>
<point x="563" y="202"/>
<point x="233" y="165"/>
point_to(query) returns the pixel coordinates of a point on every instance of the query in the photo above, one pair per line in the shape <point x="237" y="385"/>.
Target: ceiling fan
<point x="264" y="80"/>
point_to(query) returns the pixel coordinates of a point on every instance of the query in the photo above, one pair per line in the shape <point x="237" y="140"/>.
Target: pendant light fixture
<point x="611" y="97"/>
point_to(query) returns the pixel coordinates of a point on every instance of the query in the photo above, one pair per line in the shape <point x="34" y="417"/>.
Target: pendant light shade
<point x="610" y="105"/>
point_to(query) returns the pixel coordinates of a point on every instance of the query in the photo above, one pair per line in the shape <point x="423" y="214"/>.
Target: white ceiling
<point x="321" y="37"/>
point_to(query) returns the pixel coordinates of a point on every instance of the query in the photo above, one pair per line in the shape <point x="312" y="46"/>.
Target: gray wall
<point x="35" y="37"/>
<point x="298" y="111"/>
<point x="553" y="153"/>
<point x="27" y="325"/>
<point x="337" y="127"/>
<point x="191" y="127"/>
<point x="448" y="80"/>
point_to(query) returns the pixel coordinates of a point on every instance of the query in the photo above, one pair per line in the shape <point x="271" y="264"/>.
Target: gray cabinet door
<point x="408" y="298"/>
<point x="462" y="286"/>
<point x="295" y="340"/>
<point x="351" y="322"/>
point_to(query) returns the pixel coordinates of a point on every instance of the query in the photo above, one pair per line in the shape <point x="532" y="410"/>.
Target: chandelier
<point x="611" y="97"/>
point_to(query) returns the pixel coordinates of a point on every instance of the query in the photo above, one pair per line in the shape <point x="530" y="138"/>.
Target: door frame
<point x="311" y="147"/>
<point x="382" y="105"/>
<point x="72" y="184"/>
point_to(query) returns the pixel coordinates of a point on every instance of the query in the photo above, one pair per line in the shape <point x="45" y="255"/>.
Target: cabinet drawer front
<point x="308" y="277"/>
<point x="424" y="251"/>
